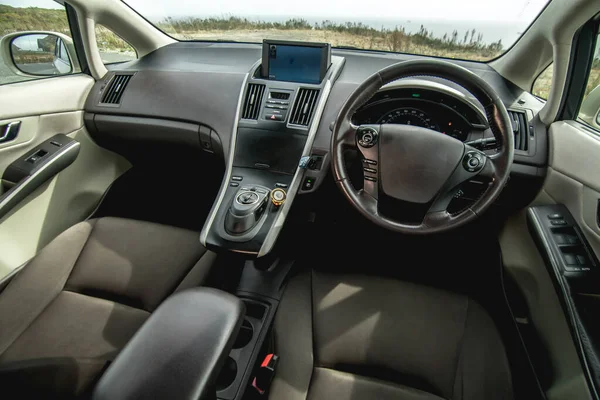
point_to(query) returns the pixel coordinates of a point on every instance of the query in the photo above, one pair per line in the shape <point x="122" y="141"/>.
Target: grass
<point x="541" y="87"/>
<point x="469" y="45"/>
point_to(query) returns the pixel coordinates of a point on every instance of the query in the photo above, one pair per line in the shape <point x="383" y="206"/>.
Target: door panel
<point x="573" y="180"/>
<point x="574" y="175"/>
<point x="46" y="107"/>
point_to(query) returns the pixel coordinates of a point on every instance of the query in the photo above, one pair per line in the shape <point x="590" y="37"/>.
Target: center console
<point x="279" y="109"/>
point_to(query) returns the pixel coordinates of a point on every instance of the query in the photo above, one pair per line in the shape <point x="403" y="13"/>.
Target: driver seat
<point x="351" y="337"/>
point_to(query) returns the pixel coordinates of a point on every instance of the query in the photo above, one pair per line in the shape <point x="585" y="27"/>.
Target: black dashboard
<point x="211" y="96"/>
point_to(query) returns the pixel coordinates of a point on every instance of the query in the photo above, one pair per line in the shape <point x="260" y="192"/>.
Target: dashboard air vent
<point x="518" y="120"/>
<point x="115" y="89"/>
<point x="253" y="101"/>
<point x="304" y="106"/>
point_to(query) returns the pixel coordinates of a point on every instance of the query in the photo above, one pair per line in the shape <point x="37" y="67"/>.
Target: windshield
<point x="467" y="29"/>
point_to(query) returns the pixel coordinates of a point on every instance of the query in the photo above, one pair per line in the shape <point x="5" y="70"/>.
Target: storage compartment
<point x="278" y="151"/>
<point x="255" y="310"/>
<point x="232" y="381"/>
<point x="227" y="375"/>
<point x="245" y="335"/>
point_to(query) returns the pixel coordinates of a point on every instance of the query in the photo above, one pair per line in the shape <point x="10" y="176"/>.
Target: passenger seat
<point x="67" y="314"/>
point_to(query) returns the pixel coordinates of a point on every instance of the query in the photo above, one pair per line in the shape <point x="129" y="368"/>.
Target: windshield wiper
<point x="347" y="48"/>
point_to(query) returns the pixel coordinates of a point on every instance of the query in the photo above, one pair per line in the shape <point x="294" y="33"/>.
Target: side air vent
<point x="304" y="106"/>
<point x="253" y="101"/>
<point x="115" y="89"/>
<point x="518" y="120"/>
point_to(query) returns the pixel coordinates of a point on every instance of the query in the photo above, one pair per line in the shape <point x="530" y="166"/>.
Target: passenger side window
<point x="541" y="86"/>
<point x="35" y="42"/>
<point x="589" y="111"/>
<point x="112" y="48"/>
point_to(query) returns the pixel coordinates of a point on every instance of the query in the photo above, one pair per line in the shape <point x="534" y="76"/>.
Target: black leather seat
<point x="350" y="337"/>
<point x="74" y="306"/>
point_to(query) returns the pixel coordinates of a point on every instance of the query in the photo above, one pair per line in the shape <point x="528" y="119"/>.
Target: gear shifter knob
<point x="247" y="207"/>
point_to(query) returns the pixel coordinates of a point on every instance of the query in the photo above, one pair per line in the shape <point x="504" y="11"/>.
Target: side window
<point x="541" y="86"/>
<point x="112" y="48"/>
<point x="589" y="111"/>
<point x="35" y="42"/>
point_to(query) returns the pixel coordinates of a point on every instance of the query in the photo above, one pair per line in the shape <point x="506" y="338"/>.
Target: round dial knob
<point x="247" y="198"/>
<point x="473" y="161"/>
<point x="278" y="197"/>
<point x="366" y="136"/>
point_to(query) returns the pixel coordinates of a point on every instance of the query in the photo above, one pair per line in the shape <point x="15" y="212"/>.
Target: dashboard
<point x="213" y="98"/>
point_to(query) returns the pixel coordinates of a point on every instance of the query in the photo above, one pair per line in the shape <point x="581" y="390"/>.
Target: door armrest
<point x="179" y="352"/>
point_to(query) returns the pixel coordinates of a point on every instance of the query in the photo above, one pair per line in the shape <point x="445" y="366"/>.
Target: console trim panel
<point x="294" y="185"/>
<point x="230" y="157"/>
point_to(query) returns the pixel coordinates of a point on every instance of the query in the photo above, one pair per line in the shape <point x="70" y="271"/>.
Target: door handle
<point x="10" y="131"/>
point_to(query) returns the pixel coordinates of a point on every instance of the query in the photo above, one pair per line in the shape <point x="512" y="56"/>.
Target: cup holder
<point x="244" y="336"/>
<point x="227" y="375"/>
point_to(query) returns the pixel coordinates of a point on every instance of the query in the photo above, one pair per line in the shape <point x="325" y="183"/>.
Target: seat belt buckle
<point x="265" y="373"/>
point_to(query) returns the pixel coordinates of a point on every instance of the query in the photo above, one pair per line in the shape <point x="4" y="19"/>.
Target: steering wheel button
<point x="370" y="162"/>
<point x="370" y="178"/>
<point x="371" y="170"/>
<point x="473" y="162"/>
<point x="367" y="137"/>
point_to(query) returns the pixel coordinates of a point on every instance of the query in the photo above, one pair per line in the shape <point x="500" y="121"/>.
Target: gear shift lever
<point x="247" y="207"/>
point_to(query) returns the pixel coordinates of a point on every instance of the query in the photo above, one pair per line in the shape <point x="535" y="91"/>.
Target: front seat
<point x="74" y="306"/>
<point x="351" y="337"/>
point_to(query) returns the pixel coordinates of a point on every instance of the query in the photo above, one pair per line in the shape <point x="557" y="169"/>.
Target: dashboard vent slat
<point x="116" y="88"/>
<point x="518" y="120"/>
<point x="304" y="106"/>
<point x="253" y="101"/>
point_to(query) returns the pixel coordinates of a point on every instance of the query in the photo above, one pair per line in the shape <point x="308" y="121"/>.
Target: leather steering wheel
<point x="416" y="164"/>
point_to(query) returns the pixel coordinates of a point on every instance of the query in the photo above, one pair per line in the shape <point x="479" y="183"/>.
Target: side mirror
<point x="590" y="108"/>
<point x="41" y="54"/>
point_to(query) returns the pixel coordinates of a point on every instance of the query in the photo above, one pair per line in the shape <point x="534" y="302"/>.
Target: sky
<point x="459" y="10"/>
<point x="31" y="3"/>
<point x="444" y="10"/>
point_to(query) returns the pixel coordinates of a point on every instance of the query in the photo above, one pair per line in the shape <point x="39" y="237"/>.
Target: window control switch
<point x="570" y="259"/>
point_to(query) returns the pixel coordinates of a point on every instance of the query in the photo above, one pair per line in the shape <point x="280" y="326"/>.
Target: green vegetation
<point x="32" y="19"/>
<point x="467" y="45"/>
<point x="375" y="39"/>
<point x="54" y="20"/>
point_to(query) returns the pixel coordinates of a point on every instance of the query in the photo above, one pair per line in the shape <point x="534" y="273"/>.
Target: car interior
<point x="297" y="219"/>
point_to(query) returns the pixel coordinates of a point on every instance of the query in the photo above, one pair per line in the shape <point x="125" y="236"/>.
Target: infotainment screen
<point x="301" y="62"/>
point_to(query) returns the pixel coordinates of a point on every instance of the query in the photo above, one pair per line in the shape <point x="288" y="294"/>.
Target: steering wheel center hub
<point x="415" y="162"/>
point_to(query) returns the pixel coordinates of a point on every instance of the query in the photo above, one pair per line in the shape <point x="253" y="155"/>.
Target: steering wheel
<point x="416" y="164"/>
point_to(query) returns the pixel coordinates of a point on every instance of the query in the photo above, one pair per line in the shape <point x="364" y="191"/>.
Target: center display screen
<point x="301" y="63"/>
